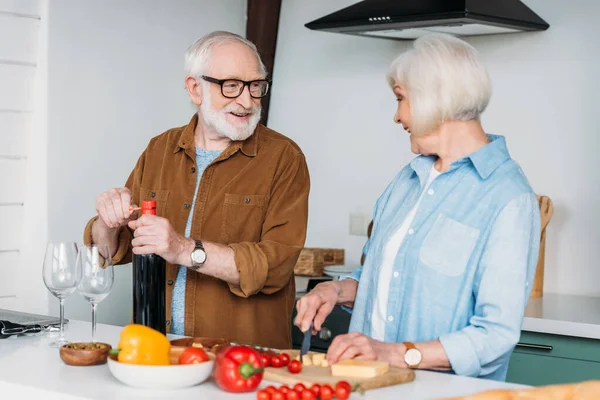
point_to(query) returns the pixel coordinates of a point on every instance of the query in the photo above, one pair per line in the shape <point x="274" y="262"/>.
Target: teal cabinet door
<point x="540" y="370"/>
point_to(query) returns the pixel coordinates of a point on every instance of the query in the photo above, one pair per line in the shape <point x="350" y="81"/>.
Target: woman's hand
<point x="361" y="347"/>
<point x="316" y="306"/>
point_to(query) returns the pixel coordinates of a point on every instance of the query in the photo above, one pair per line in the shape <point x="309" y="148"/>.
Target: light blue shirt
<point x="465" y="270"/>
<point x="203" y="158"/>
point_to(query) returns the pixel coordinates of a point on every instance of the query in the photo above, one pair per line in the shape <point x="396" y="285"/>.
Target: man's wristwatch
<point x="198" y="256"/>
<point x="413" y="356"/>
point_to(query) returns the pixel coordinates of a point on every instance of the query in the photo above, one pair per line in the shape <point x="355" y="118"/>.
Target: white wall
<point x="330" y="95"/>
<point x="22" y="154"/>
<point x="115" y="80"/>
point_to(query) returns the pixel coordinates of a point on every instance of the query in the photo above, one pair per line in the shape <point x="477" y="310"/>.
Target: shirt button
<point x="396" y="274"/>
<point x="170" y="282"/>
<point x="186" y="205"/>
<point x="193" y="169"/>
<point x="247" y="200"/>
<point x="430" y="192"/>
<point x="411" y="231"/>
<point x="390" y="318"/>
<point x="152" y="195"/>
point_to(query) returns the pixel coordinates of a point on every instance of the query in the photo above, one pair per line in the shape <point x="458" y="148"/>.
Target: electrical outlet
<point x="359" y="224"/>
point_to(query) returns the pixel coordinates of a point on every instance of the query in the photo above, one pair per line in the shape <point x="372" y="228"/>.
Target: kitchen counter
<point x="567" y="315"/>
<point x="29" y="367"/>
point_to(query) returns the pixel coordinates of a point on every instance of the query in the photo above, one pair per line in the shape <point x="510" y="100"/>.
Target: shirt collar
<point x="186" y="141"/>
<point x="484" y="160"/>
<point x="490" y="156"/>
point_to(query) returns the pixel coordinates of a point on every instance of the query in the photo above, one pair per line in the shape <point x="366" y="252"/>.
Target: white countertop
<point x="29" y="367"/>
<point x="561" y="314"/>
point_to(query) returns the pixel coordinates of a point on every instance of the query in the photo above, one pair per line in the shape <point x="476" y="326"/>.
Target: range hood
<point x="410" y="19"/>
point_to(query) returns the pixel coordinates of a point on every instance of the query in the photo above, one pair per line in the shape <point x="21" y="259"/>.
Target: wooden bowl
<point x="85" y="354"/>
<point x="211" y="345"/>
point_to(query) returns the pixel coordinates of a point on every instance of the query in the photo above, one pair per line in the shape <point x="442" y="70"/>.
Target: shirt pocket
<point x="448" y="246"/>
<point x="243" y="217"/>
<point x="160" y="196"/>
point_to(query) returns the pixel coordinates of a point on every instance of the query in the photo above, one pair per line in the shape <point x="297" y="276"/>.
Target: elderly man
<point x="225" y="186"/>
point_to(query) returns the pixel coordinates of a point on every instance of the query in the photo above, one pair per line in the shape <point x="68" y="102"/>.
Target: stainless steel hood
<point x="409" y="19"/>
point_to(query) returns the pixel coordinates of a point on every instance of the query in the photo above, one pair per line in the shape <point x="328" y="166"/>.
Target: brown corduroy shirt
<point x="254" y="198"/>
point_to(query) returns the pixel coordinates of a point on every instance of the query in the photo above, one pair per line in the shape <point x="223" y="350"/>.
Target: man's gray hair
<point x="197" y="56"/>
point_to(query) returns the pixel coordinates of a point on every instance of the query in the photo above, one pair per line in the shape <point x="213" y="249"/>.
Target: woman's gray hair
<point x="197" y="56"/>
<point x="445" y="81"/>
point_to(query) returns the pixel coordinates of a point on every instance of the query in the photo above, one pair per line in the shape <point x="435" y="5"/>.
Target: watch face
<point x="412" y="357"/>
<point x="198" y="256"/>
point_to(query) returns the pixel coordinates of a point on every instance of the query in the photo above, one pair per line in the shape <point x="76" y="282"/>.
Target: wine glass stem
<point x="94" y="322"/>
<point x="62" y="319"/>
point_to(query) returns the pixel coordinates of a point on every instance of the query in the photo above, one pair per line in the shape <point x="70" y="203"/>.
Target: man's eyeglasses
<point x="232" y="88"/>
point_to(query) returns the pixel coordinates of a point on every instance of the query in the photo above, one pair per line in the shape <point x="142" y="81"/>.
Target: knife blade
<point x="306" y="341"/>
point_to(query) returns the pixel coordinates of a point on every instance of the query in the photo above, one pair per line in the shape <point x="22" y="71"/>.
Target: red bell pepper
<point x="238" y="369"/>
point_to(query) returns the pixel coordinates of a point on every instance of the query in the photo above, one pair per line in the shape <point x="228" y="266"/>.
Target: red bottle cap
<point x="148" y="207"/>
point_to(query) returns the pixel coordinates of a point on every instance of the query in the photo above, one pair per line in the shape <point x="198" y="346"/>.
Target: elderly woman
<point x="455" y="240"/>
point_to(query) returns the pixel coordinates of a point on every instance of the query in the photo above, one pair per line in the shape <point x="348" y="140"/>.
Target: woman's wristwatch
<point x="412" y="356"/>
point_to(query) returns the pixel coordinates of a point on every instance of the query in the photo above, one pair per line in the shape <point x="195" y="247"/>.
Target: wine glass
<point x="97" y="276"/>
<point x="61" y="276"/>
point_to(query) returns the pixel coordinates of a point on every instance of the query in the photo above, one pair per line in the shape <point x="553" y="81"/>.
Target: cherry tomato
<point x="193" y="355"/>
<point x="298" y="387"/>
<point x="271" y="389"/>
<point x="265" y="360"/>
<point x="316" y="389"/>
<point x="284" y="389"/>
<point x="285" y="359"/>
<point x="277" y="396"/>
<point x="342" y="390"/>
<point x="276" y="362"/>
<point x="294" y="366"/>
<point x="263" y="395"/>
<point x="326" y="392"/>
<point x="308" y="395"/>
<point x="293" y="395"/>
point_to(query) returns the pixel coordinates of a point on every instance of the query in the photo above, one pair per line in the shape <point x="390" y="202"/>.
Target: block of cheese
<point x="359" y="368"/>
<point x="317" y="359"/>
<point x="324" y="363"/>
<point x="306" y="360"/>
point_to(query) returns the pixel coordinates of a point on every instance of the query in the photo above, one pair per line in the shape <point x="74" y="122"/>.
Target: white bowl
<point x="161" y="376"/>
<point x="335" y="271"/>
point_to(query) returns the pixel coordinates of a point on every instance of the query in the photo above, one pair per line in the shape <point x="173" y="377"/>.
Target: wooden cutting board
<point x="313" y="374"/>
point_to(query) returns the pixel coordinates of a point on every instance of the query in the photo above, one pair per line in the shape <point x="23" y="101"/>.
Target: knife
<point x="306" y="341"/>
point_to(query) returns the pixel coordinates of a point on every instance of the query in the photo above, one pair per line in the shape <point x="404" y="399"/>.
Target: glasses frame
<point x="220" y="82"/>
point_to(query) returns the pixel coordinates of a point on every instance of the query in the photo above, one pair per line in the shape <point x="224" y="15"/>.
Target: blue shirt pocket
<point x="448" y="246"/>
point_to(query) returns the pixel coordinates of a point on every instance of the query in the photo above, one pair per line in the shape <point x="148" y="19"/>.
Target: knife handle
<point x="324" y="334"/>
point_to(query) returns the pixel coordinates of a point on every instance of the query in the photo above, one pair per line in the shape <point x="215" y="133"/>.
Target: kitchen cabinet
<point x="545" y="359"/>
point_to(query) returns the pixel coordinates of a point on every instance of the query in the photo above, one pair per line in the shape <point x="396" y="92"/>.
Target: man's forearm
<point x="220" y="261"/>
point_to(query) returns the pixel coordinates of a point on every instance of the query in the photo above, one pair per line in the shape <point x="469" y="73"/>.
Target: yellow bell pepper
<point x="144" y="346"/>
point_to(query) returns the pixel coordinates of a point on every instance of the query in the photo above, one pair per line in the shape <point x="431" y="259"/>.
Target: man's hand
<point x="361" y="347"/>
<point x="113" y="209"/>
<point x="155" y="235"/>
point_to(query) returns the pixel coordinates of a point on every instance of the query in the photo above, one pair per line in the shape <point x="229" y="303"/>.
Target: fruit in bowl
<point x="208" y="344"/>
<point x="143" y="360"/>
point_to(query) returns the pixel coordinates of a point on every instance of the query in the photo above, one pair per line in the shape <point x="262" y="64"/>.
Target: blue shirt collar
<point x="485" y="160"/>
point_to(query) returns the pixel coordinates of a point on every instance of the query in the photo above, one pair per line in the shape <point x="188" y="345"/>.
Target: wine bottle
<point x="149" y="271"/>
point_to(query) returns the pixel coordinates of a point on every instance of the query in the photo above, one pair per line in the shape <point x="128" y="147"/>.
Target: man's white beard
<point x="217" y="119"/>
